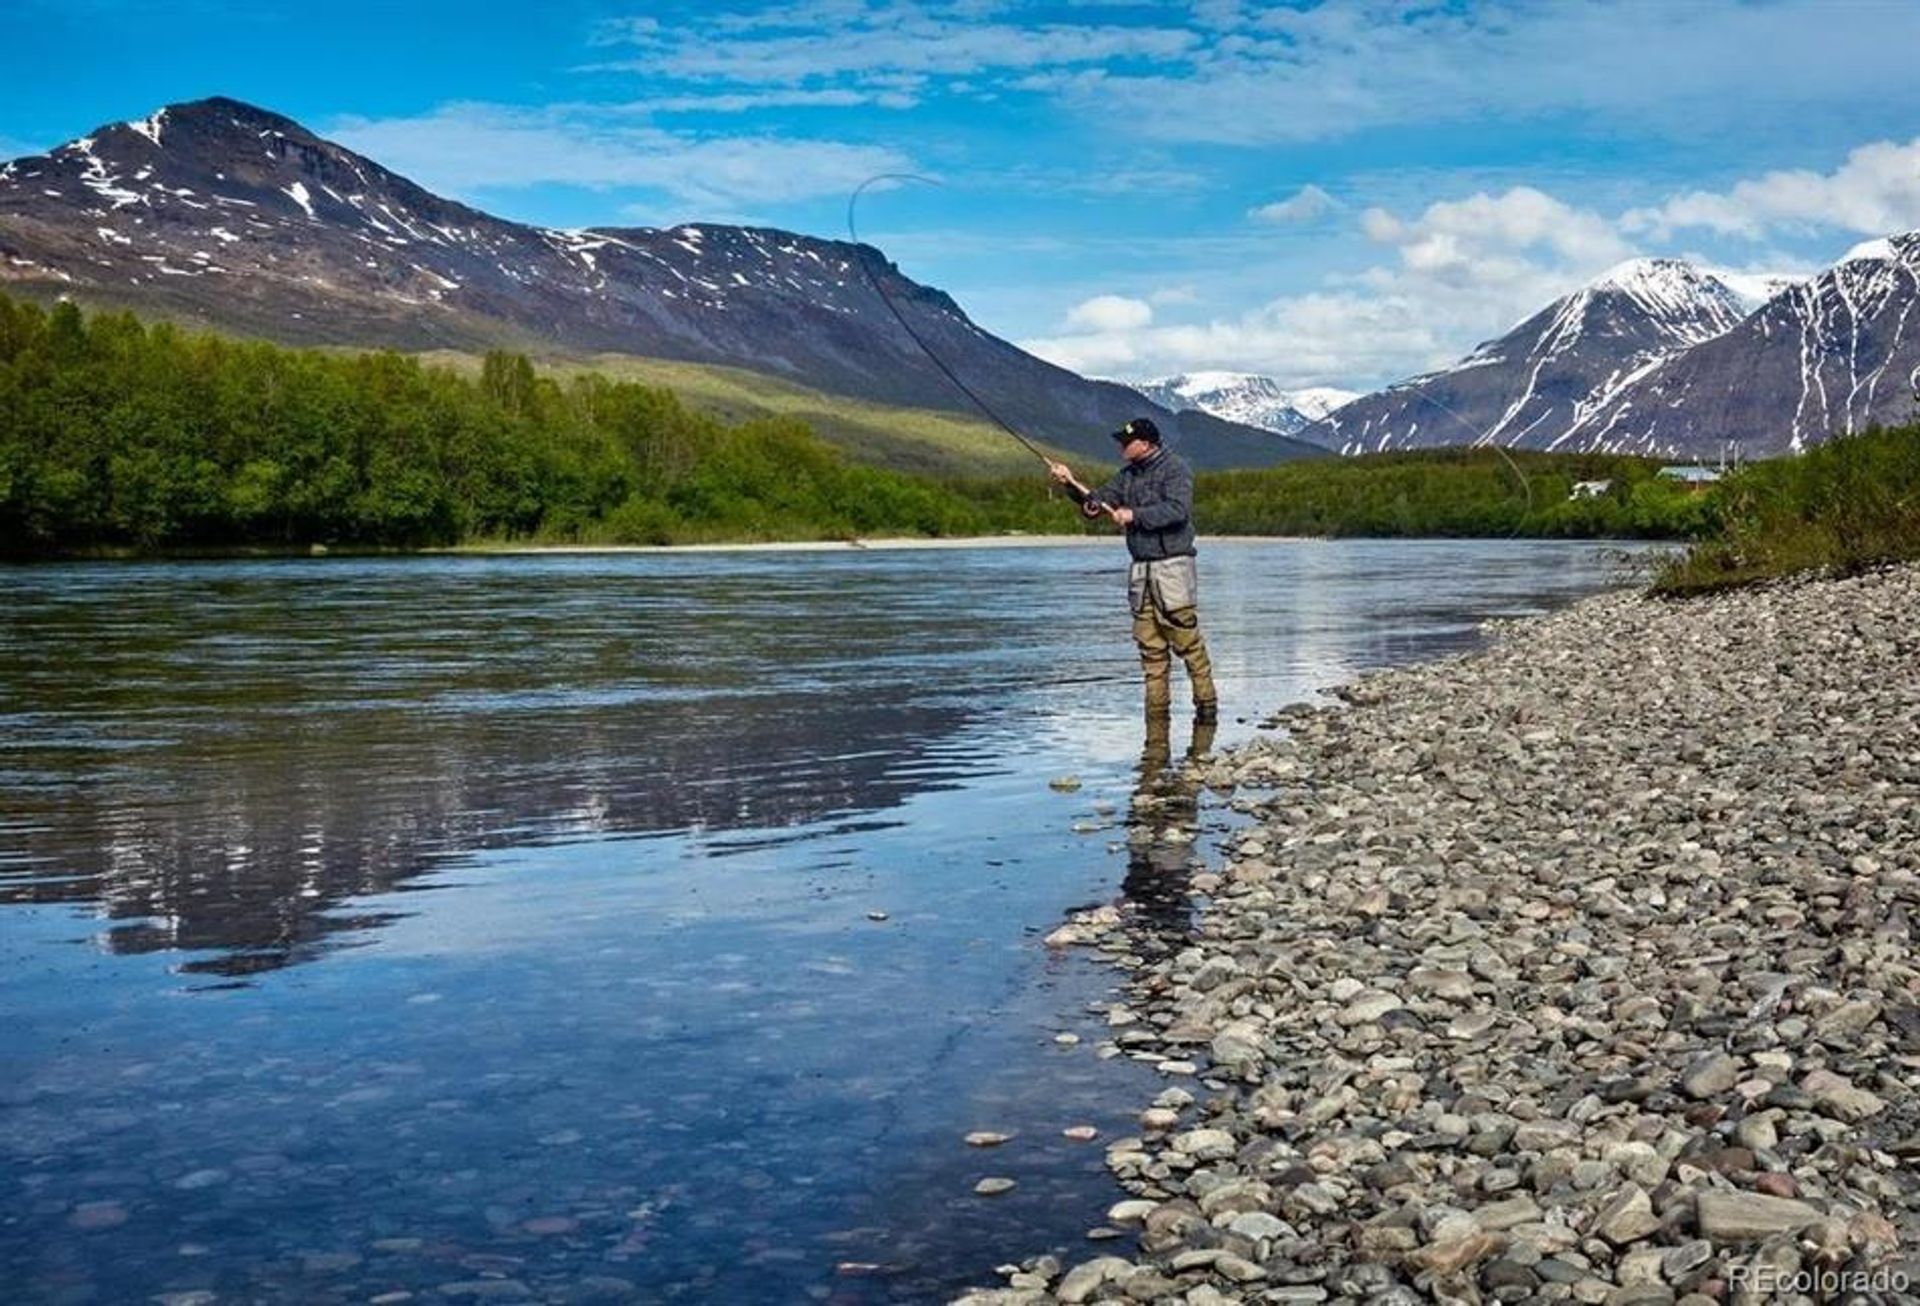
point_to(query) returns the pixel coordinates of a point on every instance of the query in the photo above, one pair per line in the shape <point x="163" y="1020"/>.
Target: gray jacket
<point x="1159" y="489"/>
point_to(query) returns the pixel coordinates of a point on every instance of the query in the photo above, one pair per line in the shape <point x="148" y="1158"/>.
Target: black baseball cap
<point x="1140" y="428"/>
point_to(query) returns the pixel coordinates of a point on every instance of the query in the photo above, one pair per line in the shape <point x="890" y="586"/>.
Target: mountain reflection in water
<point x="220" y="762"/>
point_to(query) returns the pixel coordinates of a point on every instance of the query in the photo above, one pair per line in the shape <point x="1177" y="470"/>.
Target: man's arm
<point x="1092" y="502"/>
<point x="1172" y="504"/>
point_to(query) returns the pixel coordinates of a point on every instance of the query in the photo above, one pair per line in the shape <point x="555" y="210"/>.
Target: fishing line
<point x="1526" y="482"/>
<point x="853" y="234"/>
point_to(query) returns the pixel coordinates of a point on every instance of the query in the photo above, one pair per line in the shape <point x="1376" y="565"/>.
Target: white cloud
<point x="1463" y="271"/>
<point x="1109" y="313"/>
<point x="1486" y="237"/>
<point x="1875" y="192"/>
<point x="853" y="40"/>
<point x="1283" y="74"/>
<point x="1299" y="340"/>
<point x="1306" y="205"/>
<point x="1242" y="73"/>
<point x="748" y="101"/>
<point x="462" y="148"/>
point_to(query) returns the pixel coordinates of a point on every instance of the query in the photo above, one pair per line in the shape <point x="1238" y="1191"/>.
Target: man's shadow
<point x="1162" y="826"/>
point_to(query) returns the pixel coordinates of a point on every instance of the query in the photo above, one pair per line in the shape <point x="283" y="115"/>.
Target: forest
<point x="118" y="436"/>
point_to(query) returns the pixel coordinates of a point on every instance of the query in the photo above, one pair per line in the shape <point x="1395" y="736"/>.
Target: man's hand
<point x="1124" y="516"/>
<point x="1060" y="472"/>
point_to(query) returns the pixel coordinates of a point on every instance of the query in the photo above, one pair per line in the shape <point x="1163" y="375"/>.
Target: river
<point x="636" y="926"/>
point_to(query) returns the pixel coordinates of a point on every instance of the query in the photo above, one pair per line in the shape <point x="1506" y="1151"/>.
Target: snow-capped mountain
<point x="1248" y="399"/>
<point x="226" y="215"/>
<point x="1832" y="354"/>
<point x="1551" y="373"/>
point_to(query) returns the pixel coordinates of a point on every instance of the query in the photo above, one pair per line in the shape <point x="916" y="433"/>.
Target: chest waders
<point x="1164" y="597"/>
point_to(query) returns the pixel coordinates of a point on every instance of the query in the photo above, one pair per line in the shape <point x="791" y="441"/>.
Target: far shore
<point x="888" y="543"/>
<point x="877" y="544"/>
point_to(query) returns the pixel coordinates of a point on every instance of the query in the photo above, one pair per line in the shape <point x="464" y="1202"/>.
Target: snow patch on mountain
<point x="1316" y="401"/>
<point x="297" y="192"/>
<point x="1871" y="251"/>
<point x="1756" y="288"/>
<point x="149" y="127"/>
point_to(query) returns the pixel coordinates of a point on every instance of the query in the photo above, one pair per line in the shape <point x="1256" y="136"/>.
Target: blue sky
<point x="1339" y="193"/>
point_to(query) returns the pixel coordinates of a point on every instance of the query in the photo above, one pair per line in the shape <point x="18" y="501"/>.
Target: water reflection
<point x="1162" y="824"/>
<point x="218" y="758"/>
<point x="248" y="851"/>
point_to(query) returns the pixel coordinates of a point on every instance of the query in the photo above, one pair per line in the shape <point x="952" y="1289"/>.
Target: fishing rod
<point x="853" y="234"/>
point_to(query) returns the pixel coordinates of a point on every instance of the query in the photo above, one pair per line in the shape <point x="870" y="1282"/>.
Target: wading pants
<point x="1166" y="620"/>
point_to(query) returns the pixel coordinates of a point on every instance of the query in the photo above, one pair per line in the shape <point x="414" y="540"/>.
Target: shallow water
<point x="373" y="926"/>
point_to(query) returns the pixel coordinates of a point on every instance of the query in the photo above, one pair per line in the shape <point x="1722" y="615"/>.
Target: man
<point x="1152" y="496"/>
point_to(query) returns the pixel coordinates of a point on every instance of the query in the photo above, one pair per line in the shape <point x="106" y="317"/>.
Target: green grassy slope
<point x="913" y="440"/>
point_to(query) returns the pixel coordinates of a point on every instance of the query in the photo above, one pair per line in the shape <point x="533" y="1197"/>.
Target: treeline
<point x="120" y="435"/>
<point x="1456" y="492"/>
<point x="1849" y="503"/>
<point x="116" y="435"/>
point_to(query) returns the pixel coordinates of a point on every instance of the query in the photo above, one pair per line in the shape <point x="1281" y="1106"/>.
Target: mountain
<point x="221" y="214"/>
<point x="1546" y="377"/>
<point x="1832" y="354"/>
<point x="1248" y="399"/>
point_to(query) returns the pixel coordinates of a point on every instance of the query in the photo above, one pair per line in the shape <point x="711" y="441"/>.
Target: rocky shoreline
<point x="1578" y="969"/>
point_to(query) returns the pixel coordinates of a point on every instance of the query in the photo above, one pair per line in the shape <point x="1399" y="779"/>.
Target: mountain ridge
<point x="1836" y="353"/>
<point x="1248" y="398"/>
<point x="230" y="216"/>
<point x="1561" y="363"/>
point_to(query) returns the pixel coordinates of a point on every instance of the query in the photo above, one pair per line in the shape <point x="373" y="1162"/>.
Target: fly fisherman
<point x="1152" y="496"/>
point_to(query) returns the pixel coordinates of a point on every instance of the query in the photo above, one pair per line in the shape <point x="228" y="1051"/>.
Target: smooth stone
<point x="1206" y="1144"/>
<point x="1711" y="1075"/>
<point x="1749" y="1217"/>
<point x="1449" y="1258"/>
<point x="1089" y="1276"/>
<point x="1626" y="1216"/>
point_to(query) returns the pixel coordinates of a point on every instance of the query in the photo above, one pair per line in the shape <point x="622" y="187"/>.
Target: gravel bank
<point x="1580" y="969"/>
